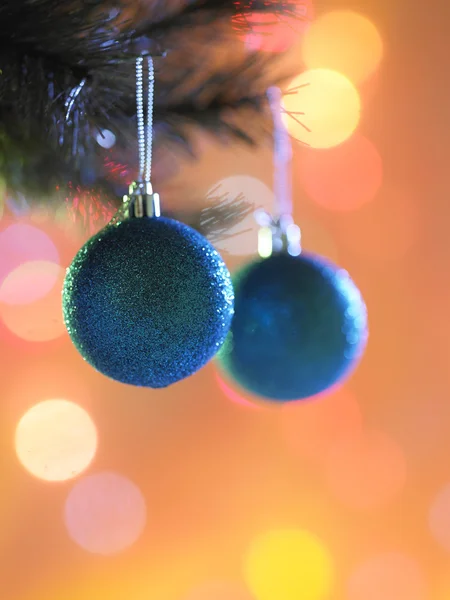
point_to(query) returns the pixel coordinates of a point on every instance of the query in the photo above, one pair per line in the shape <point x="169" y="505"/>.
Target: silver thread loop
<point x="144" y="202"/>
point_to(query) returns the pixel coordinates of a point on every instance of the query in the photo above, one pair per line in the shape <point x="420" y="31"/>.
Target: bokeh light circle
<point x="29" y="282"/>
<point x="105" y="513"/>
<point x="343" y="41"/>
<point x="383" y="230"/>
<point x="20" y="243"/>
<point x="342" y="178"/>
<point x="366" y="471"/>
<point x="439" y="518"/>
<point x="56" y="440"/>
<point x="219" y="590"/>
<point x="242" y="238"/>
<point x="105" y="138"/>
<point x="39" y="321"/>
<point x="322" y="107"/>
<point x="391" y="576"/>
<point x="311" y="428"/>
<point x="288" y="564"/>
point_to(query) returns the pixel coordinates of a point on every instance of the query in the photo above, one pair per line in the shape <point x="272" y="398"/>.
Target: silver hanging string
<point x="278" y="231"/>
<point x="141" y="201"/>
<point x="145" y="126"/>
<point x="282" y="155"/>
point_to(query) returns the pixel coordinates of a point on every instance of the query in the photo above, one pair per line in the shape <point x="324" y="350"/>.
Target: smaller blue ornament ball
<point x="148" y="301"/>
<point x="300" y="326"/>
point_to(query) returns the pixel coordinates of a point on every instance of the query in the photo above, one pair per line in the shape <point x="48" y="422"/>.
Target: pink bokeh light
<point x="20" y="243"/>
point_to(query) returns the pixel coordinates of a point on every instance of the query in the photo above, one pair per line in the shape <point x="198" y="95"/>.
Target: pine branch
<point x="87" y="211"/>
<point x="66" y="71"/>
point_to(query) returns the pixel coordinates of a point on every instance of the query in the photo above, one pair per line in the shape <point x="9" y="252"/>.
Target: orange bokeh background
<point x="189" y="478"/>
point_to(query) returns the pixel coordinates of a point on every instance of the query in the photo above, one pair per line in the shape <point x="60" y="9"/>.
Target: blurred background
<point x="199" y="491"/>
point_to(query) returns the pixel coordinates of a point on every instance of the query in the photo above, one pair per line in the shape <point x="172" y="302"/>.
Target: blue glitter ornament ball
<point x="300" y="326"/>
<point x="148" y="301"/>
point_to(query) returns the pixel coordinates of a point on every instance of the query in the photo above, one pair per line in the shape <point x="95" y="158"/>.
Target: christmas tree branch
<point x="66" y="72"/>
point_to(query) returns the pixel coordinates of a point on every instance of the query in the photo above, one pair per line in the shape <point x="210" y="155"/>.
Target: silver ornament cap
<point x="142" y="201"/>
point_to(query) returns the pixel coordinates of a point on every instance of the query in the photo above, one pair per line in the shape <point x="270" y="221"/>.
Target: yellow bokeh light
<point x="289" y="565"/>
<point x="56" y="440"/>
<point x="322" y="107"/>
<point x="343" y="41"/>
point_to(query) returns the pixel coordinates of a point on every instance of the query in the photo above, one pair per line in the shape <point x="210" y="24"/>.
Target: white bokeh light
<point x="106" y="139"/>
<point x="56" y="440"/>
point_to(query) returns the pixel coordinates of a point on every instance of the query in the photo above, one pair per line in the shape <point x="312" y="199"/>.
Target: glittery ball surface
<point x="300" y="326"/>
<point x="148" y="302"/>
